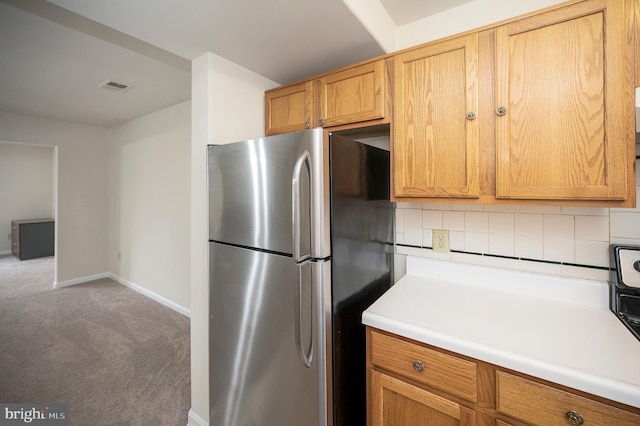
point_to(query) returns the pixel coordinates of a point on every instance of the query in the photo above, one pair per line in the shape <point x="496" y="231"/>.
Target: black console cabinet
<point x="32" y="238"/>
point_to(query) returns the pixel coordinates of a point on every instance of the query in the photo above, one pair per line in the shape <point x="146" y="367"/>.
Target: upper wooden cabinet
<point x="554" y="114"/>
<point x="435" y="137"/>
<point x="538" y="109"/>
<point x="561" y="127"/>
<point x="289" y="108"/>
<point x="353" y="95"/>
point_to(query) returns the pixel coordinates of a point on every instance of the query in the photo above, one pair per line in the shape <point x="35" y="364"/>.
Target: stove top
<point x="624" y="286"/>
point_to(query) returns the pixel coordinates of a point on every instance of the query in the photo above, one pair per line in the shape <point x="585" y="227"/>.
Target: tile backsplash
<point x="569" y="241"/>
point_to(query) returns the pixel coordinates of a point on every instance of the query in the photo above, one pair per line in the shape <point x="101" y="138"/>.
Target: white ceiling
<point x="54" y="54"/>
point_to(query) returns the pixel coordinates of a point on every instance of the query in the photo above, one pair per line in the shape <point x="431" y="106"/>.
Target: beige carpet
<point x="115" y="356"/>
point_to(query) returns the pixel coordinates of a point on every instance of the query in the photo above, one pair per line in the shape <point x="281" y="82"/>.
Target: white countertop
<point x="555" y="328"/>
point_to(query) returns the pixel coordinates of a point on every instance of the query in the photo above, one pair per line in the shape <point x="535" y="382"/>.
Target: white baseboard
<point x="151" y="295"/>
<point x="196" y="420"/>
<point x="2" y="253"/>
<point x="81" y="280"/>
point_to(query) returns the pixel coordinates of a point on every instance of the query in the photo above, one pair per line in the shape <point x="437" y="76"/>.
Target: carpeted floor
<point x="115" y="356"/>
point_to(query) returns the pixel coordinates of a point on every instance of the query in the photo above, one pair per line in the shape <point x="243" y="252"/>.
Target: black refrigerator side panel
<point x="362" y="264"/>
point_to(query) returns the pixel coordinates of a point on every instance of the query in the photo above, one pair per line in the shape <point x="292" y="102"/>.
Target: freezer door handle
<point x="305" y="313"/>
<point x="303" y="160"/>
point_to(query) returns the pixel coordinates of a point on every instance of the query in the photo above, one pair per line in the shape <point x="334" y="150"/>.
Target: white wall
<point x="149" y="204"/>
<point x="26" y="186"/>
<point x="227" y="105"/>
<point x="465" y="17"/>
<point x="81" y="210"/>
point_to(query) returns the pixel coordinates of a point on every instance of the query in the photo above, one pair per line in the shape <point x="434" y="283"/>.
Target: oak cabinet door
<point x="289" y="108"/>
<point x="396" y="403"/>
<point x="560" y="96"/>
<point x="353" y="95"/>
<point x="435" y="136"/>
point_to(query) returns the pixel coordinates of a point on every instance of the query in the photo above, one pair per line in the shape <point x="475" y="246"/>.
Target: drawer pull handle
<point x="574" y="418"/>
<point x="418" y="365"/>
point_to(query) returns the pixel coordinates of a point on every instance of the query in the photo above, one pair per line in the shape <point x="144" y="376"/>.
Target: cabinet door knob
<point x="501" y="110"/>
<point x="307" y="125"/>
<point x="321" y="122"/>
<point x="574" y="418"/>
<point x="471" y="115"/>
<point x="418" y="365"/>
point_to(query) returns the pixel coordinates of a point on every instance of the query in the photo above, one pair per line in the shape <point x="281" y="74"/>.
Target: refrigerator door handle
<point x="303" y="160"/>
<point x="305" y="354"/>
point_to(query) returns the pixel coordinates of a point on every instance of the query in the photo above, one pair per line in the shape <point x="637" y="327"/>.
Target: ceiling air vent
<point x="115" y="86"/>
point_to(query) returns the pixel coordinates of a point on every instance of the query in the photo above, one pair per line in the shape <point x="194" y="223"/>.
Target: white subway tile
<point x="501" y="262"/>
<point x="585" y="211"/>
<point x="501" y="208"/>
<point x="626" y="241"/>
<point x="473" y="259"/>
<point x="529" y="246"/>
<point x="403" y="205"/>
<point x="594" y="228"/>
<point x="501" y="244"/>
<point x="528" y="224"/>
<point x="541" y="267"/>
<point x="502" y="223"/>
<point x="427" y="238"/>
<point x="592" y="253"/>
<point x="467" y="207"/>
<point x="453" y="220"/>
<point x="439" y="256"/>
<point x="476" y="242"/>
<point x="436" y="206"/>
<point x="399" y="238"/>
<point x="413" y="236"/>
<point x="432" y="219"/>
<point x="476" y="222"/>
<point x="559" y="249"/>
<point x="541" y="209"/>
<point x="625" y="225"/>
<point x="585" y="273"/>
<point x="400" y="221"/>
<point x="412" y="218"/>
<point x="456" y="240"/>
<point x="558" y="226"/>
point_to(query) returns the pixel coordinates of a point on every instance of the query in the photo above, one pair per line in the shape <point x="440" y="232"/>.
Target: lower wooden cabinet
<point x="397" y="403"/>
<point x="536" y="403"/>
<point x="414" y="384"/>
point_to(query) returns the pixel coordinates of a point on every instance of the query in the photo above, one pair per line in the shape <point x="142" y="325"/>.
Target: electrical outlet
<point x="9" y="236"/>
<point x="440" y="241"/>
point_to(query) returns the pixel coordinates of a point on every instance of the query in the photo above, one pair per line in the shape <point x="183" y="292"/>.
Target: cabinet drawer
<point x="439" y="370"/>
<point x="544" y="405"/>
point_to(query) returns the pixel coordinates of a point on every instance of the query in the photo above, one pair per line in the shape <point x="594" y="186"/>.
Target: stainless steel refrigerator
<point x="300" y="243"/>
